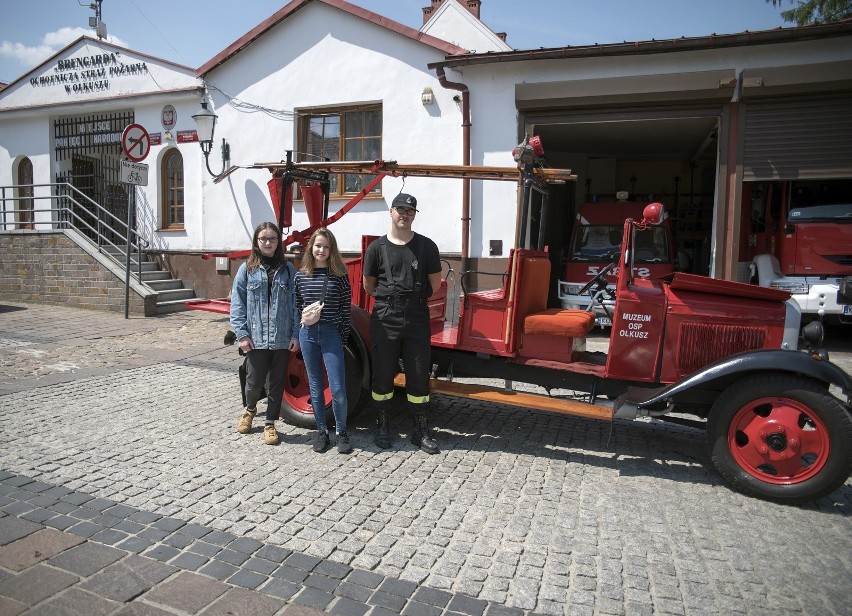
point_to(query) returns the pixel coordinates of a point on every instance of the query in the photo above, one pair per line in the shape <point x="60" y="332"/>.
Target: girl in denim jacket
<point x="263" y="316"/>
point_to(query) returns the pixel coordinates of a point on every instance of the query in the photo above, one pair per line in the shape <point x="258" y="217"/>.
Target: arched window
<point x="171" y="198"/>
<point x="25" y="194"/>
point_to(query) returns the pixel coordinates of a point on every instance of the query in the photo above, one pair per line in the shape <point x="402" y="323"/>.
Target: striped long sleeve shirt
<point x="338" y="298"/>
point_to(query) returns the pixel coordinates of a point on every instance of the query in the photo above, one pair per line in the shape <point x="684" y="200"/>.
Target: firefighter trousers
<point x="399" y="329"/>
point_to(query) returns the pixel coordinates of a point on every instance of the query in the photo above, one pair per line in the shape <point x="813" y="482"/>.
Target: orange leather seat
<point x="560" y="322"/>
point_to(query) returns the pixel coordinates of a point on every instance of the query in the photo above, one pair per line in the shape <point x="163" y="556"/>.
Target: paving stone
<point x="347" y="607"/>
<point x="414" y="608"/>
<point x="353" y="591"/>
<point x="38" y="515"/>
<point x="432" y="596"/>
<point x="204" y="548"/>
<point x="76" y="498"/>
<point x="85" y="529"/>
<point x="242" y="601"/>
<point x="10" y="607"/>
<point x="294" y="609"/>
<point x="302" y="561"/>
<point x="365" y="578"/>
<point x="61" y="522"/>
<point x="245" y="545"/>
<point x="388" y="601"/>
<point x="313" y="597"/>
<point x="74" y="602"/>
<point x="87" y="558"/>
<point x="163" y="553"/>
<point x="36" y="584"/>
<point x="220" y="538"/>
<point x="291" y="574"/>
<point x="128" y="578"/>
<point x="187" y="592"/>
<point x="35" y="548"/>
<point x="109" y="536"/>
<point x="135" y="544"/>
<point x="280" y="588"/>
<point x="13" y="528"/>
<point x="273" y="553"/>
<point x="218" y="569"/>
<point x="247" y="579"/>
<point x="467" y="605"/>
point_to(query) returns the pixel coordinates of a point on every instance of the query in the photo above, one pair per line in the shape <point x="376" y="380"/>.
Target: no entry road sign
<point x="135" y="142"/>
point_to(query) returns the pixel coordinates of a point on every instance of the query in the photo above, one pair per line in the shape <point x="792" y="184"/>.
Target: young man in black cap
<point x="402" y="269"/>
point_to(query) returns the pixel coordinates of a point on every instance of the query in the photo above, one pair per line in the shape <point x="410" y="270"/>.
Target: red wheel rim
<point x="297" y="388"/>
<point x="779" y="441"/>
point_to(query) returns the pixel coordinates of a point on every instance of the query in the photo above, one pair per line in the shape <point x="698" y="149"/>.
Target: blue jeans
<point x="321" y="344"/>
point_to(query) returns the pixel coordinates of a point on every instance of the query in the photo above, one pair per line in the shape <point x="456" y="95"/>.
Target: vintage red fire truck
<point x="777" y="412"/>
<point x="594" y="242"/>
<point x="798" y="237"/>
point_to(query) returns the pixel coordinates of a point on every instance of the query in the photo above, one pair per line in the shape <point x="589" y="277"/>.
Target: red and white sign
<point x="135" y="142"/>
<point x="186" y="136"/>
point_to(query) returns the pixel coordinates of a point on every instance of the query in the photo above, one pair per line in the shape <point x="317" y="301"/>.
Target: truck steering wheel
<point x="598" y="280"/>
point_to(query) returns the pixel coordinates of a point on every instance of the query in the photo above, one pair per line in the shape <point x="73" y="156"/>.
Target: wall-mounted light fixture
<point x="205" y="125"/>
<point x="426" y="97"/>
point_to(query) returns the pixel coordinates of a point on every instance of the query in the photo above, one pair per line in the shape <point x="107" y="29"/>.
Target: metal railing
<point x="21" y="207"/>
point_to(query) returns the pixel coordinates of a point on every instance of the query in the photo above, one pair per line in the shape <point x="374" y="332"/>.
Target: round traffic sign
<point x="135" y="142"/>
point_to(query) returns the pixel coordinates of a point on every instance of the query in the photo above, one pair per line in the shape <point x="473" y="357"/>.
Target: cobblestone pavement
<point x="521" y="512"/>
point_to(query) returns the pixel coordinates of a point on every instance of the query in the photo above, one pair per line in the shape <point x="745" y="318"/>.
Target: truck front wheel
<point x="296" y="406"/>
<point x="782" y="438"/>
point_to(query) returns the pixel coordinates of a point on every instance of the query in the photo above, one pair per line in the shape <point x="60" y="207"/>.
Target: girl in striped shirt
<point x="322" y="342"/>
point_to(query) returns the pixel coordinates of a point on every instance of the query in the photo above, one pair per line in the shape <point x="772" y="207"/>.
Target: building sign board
<point x="134" y="173"/>
<point x="186" y="136"/>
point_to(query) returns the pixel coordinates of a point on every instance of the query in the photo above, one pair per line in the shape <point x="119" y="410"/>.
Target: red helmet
<point x="653" y="213"/>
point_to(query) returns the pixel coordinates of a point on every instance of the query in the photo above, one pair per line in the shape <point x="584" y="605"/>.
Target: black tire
<point x="783" y="438"/>
<point x="296" y="405"/>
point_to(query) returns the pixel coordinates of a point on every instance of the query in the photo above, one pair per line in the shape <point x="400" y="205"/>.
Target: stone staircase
<point x="171" y="292"/>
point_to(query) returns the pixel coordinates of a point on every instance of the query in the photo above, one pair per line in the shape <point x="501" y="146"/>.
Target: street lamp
<point x="205" y="125"/>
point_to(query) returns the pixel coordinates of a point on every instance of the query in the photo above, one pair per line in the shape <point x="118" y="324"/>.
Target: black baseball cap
<point x="406" y="201"/>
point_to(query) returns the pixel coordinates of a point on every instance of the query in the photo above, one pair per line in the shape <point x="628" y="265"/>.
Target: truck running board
<point x="515" y="398"/>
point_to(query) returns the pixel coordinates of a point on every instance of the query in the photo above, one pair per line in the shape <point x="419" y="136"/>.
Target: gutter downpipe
<point x="465" y="96"/>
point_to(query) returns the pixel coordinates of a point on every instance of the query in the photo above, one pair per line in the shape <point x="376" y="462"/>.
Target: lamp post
<point x="205" y="125"/>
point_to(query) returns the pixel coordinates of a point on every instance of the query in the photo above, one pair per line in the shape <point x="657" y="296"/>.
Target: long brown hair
<point x="253" y="261"/>
<point x="336" y="266"/>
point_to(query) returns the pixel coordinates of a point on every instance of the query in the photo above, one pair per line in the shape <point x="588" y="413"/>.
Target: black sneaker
<point x="321" y="442"/>
<point x="343" y="445"/>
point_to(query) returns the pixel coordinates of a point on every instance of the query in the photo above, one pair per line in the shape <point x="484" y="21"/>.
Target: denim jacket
<point x="270" y="324"/>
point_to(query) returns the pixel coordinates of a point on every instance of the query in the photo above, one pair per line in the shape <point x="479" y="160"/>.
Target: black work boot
<point x="421" y="437"/>
<point x="382" y="435"/>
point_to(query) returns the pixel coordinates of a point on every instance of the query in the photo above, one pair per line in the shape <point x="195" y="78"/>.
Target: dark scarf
<point x="271" y="265"/>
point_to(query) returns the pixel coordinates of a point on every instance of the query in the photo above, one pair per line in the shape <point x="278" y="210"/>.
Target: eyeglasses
<point x="267" y="240"/>
<point x="405" y="211"/>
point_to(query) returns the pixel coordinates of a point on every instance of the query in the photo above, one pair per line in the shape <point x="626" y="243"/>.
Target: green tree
<point x="815" y="11"/>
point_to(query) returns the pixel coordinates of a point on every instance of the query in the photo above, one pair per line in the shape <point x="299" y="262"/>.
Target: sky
<point x="32" y="30"/>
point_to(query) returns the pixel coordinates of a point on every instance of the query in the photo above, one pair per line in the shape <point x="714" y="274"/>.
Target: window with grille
<point x="172" y="190"/>
<point x="350" y="133"/>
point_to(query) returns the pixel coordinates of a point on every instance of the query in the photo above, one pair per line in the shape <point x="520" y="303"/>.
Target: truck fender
<point x="764" y="360"/>
<point x="359" y="339"/>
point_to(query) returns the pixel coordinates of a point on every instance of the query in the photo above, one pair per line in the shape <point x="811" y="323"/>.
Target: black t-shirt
<point x="404" y="269"/>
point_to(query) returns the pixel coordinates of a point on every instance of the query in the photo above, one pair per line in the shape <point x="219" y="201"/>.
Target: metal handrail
<point x="64" y="198"/>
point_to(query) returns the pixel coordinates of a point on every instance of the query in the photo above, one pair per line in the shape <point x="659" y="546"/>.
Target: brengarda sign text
<point x="86" y="74"/>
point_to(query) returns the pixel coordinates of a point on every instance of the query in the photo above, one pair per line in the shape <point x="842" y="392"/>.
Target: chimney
<point x="471" y="5"/>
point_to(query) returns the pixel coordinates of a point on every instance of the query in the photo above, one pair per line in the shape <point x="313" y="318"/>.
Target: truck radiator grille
<point x="704" y="343"/>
